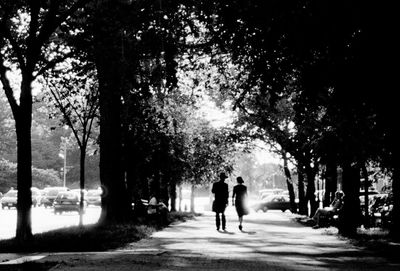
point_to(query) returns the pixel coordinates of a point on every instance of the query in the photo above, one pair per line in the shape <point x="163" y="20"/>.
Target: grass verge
<point x="377" y="240"/>
<point x="90" y="238"/>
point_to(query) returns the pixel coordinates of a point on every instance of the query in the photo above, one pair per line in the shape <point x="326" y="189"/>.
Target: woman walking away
<point x="239" y="198"/>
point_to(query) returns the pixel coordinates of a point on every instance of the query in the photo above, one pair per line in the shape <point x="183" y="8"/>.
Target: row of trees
<point x="314" y="82"/>
<point x="150" y="137"/>
<point x="48" y="142"/>
<point x="295" y="73"/>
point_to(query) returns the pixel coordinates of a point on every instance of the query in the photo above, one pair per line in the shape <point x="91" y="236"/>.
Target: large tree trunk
<point x="154" y="184"/>
<point x="395" y="226"/>
<point x="289" y="184"/>
<point x="180" y="198"/>
<point x="164" y="185"/>
<point x="172" y="194"/>
<point x="350" y="214"/>
<point x="303" y="209"/>
<point x="82" y="183"/>
<point x="366" y="199"/>
<point x="110" y="69"/>
<point x="192" y="196"/>
<point x="310" y="172"/>
<point x="331" y="182"/>
<point x="23" y="123"/>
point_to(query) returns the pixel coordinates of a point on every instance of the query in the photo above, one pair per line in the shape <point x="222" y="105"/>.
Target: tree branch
<point x="6" y="33"/>
<point x="7" y="88"/>
<point x="52" y="63"/>
<point x="51" y="22"/>
<point x="67" y="117"/>
<point x="34" y="23"/>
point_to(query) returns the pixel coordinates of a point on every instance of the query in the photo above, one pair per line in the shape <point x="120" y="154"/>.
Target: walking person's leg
<point x="240" y="222"/>
<point x="217" y="220"/>
<point x="223" y="221"/>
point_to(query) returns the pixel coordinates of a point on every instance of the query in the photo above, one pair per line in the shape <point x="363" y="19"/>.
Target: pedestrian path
<point x="269" y="241"/>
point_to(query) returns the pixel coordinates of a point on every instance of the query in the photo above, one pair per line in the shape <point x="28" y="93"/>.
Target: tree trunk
<point x="366" y="200"/>
<point x="23" y="123"/>
<point x="172" y="194"/>
<point x="164" y="193"/>
<point x="289" y="183"/>
<point x="110" y="69"/>
<point x="180" y="198"/>
<point x="82" y="184"/>
<point x="303" y="209"/>
<point x="331" y="182"/>
<point x="310" y="172"/>
<point x="349" y="216"/>
<point x="154" y="184"/>
<point x="395" y="226"/>
<point x="192" y="193"/>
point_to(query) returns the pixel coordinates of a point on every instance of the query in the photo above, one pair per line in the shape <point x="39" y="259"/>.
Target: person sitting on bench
<point x="326" y="212"/>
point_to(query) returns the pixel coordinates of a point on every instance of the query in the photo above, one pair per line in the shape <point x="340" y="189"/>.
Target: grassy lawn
<point x="90" y="238"/>
<point x="377" y="240"/>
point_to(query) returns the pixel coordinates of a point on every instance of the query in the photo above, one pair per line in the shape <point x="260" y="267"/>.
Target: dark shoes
<point x="316" y="227"/>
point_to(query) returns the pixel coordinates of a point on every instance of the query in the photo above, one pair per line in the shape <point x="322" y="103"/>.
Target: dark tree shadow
<point x="249" y="232"/>
<point x="226" y="232"/>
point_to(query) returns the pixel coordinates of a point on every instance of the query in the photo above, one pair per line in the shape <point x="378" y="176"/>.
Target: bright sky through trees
<point x="223" y="117"/>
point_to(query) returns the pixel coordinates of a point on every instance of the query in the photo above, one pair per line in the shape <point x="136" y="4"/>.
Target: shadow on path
<point x="270" y="241"/>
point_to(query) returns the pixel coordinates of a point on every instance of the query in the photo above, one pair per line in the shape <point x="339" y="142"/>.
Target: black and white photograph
<point x="209" y="135"/>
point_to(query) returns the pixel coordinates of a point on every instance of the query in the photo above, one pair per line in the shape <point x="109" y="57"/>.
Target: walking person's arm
<point x="233" y="197"/>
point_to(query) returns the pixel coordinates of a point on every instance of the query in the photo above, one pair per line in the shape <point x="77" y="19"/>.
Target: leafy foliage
<point x="40" y="177"/>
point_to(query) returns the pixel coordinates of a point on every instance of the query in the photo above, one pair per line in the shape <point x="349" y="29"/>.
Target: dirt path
<point x="269" y="241"/>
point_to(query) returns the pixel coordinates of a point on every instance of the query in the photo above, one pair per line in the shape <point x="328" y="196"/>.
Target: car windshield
<point x="67" y="196"/>
<point x="12" y="193"/>
<point x="35" y="193"/>
<point x="53" y="192"/>
<point x="94" y="193"/>
<point x="270" y="198"/>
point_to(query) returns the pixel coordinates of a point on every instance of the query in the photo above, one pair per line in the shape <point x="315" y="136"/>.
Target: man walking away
<point x="221" y="195"/>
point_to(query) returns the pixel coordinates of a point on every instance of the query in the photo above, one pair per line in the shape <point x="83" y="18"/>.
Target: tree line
<point x="308" y="77"/>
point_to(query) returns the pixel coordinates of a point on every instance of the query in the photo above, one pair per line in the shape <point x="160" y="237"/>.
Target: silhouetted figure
<point x="239" y="197"/>
<point x="333" y="209"/>
<point x="153" y="205"/>
<point x="221" y="195"/>
<point x="157" y="210"/>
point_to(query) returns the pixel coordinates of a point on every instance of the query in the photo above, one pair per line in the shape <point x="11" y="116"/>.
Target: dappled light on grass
<point x="88" y="238"/>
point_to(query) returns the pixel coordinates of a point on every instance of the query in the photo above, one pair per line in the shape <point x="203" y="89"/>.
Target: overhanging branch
<point x="7" y="88"/>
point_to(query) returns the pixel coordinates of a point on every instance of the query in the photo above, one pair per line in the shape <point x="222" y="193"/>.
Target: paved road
<point x="269" y="241"/>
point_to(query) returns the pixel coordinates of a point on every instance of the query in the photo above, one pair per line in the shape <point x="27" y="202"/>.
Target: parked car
<point x="50" y="194"/>
<point x="9" y="199"/>
<point x="93" y="197"/>
<point x="273" y="202"/>
<point x="67" y="201"/>
<point x="78" y="191"/>
<point x="265" y="193"/>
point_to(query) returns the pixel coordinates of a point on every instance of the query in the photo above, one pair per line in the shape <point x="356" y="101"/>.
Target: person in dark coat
<point x="239" y="198"/>
<point x="221" y="196"/>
